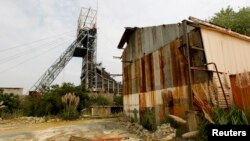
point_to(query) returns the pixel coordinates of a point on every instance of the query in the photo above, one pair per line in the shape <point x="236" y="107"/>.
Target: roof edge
<point x="203" y="24"/>
<point x="127" y="33"/>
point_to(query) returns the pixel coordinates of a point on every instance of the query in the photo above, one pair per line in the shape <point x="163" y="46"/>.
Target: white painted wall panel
<point x="231" y="55"/>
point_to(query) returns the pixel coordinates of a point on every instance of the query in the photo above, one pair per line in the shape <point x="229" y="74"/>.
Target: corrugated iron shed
<point x="155" y="66"/>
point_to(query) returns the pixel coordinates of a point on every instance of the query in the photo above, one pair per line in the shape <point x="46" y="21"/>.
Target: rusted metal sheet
<point x="131" y="105"/>
<point x="161" y="69"/>
<point x="229" y="53"/>
<point x="146" y="78"/>
<point x="157" y="74"/>
<point x="241" y="95"/>
<point x="144" y="41"/>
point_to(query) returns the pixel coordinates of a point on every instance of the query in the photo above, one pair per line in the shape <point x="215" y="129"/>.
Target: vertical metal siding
<point x="229" y="53"/>
<point x="146" y="78"/>
<point x="156" y="68"/>
<point x="241" y="96"/>
<point x="156" y="78"/>
<point x="231" y="56"/>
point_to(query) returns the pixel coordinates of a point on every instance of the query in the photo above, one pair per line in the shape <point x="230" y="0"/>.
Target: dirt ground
<point x="12" y="130"/>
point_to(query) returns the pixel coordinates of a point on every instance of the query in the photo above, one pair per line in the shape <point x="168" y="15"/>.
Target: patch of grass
<point x="232" y="116"/>
<point x="148" y="121"/>
<point x="202" y="134"/>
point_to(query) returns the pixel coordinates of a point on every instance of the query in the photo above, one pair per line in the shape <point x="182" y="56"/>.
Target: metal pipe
<point x="219" y="81"/>
<point x="217" y="72"/>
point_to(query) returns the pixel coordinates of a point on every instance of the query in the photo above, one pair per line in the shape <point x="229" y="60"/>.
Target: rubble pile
<point x="33" y="120"/>
<point x="163" y="133"/>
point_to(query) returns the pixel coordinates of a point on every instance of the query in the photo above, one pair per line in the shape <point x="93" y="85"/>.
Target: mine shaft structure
<point x="93" y="77"/>
<point x="86" y="48"/>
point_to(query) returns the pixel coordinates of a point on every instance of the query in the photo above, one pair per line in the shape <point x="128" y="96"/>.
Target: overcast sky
<point x="33" y="33"/>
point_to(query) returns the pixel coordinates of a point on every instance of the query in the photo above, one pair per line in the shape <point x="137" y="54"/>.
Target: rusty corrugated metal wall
<point x="156" y="78"/>
<point x="241" y="95"/>
<point x="155" y="68"/>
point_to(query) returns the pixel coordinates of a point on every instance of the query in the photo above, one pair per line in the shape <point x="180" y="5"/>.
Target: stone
<point x="29" y="118"/>
<point x="167" y="138"/>
<point x="41" y="120"/>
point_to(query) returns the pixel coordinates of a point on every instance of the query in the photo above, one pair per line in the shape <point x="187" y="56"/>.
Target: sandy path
<point x="62" y="130"/>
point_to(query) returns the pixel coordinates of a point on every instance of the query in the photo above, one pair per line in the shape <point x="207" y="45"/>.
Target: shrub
<point x="50" y="102"/>
<point x="118" y="100"/>
<point x="11" y="103"/>
<point x="99" y="100"/>
<point x="148" y="121"/>
<point x="231" y="116"/>
<point x="202" y="134"/>
<point x="70" y="114"/>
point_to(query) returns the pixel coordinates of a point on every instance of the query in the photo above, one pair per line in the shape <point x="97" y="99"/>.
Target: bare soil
<point x="15" y="130"/>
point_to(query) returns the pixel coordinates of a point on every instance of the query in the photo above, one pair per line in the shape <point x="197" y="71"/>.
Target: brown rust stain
<point x="164" y="97"/>
<point x="142" y="100"/>
<point x="144" y="74"/>
<point x="174" y="64"/>
<point x="125" y="80"/>
<point x="177" y="61"/>
<point x="137" y="75"/>
<point x="161" y="68"/>
<point x="151" y="71"/>
<point x="143" y="77"/>
<point x="152" y="98"/>
<point x="129" y="80"/>
<point x="179" y="110"/>
<point x="160" y="113"/>
<point x="170" y="99"/>
<point x="241" y="96"/>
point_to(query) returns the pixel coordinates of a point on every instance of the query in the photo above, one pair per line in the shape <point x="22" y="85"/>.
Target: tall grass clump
<point x="231" y="116"/>
<point x="70" y="102"/>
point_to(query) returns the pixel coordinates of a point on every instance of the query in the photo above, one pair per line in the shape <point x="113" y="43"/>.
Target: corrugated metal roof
<point x="127" y="33"/>
<point x="157" y="35"/>
<point x="195" y="22"/>
<point x="203" y="24"/>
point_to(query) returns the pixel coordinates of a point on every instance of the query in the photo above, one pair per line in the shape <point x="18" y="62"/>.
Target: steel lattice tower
<point x="87" y="47"/>
<point x="93" y="77"/>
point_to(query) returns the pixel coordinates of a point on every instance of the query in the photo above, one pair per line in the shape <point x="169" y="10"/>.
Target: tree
<point x="11" y="102"/>
<point x="50" y="102"/>
<point x="118" y="100"/>
<point x="236" y="21"/>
